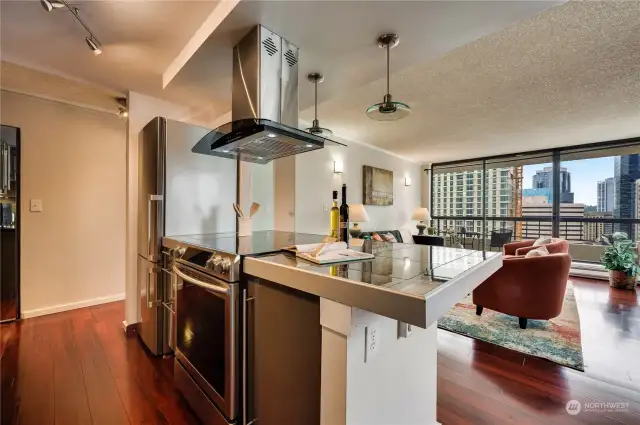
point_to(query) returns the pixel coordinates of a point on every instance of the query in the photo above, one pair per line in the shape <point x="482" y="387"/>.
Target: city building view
<point x="605" y="195"/>
<point x="510" y="194"/>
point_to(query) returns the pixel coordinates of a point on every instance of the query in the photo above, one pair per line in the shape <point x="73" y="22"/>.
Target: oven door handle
<point x="199" y="283"/>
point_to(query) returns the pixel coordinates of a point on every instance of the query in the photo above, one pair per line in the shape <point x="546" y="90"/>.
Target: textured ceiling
<point x="141" y="38"/>
<point x="569" y="75"/>
<point x="338" y="38"/>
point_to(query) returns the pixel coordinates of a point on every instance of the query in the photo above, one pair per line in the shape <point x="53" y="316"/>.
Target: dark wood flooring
<point x="8" y="309"/>
<point x="79" y="367"/>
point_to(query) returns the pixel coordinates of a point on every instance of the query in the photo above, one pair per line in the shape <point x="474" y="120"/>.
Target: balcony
<point x="584" y="234"/>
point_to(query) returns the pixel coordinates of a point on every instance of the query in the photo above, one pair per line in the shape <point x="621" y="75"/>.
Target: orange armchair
<point x="522" y="247"/>
<point x="528" y="288"/>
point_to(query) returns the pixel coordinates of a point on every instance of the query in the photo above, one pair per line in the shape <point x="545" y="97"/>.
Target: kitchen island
<point x="354" y="343"/>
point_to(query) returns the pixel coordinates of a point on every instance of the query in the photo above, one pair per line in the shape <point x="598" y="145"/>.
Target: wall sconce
<point x="337" y="167"/>
<point x="407" y="181"/>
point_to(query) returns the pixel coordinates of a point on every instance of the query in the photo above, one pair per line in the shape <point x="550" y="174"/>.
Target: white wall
<point x="315" y="181"/>
<point x="73" y="159"/>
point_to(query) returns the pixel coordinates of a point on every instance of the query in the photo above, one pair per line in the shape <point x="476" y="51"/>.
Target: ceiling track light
<point x="50" y="5"/>
<point x="91" y="40"/>
<point x="122" y="107"/>
<point x="388" y="110"/>
<point x="94" y="45"/>
<point x="315" y="129"/>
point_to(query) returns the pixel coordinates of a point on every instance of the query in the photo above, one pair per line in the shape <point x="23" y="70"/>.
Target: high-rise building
<point x="544" y="179"/>
<point x="637" y="225"/>
<point x="605" y="195"/>
<point x="568" y="230"/>
<point x="626" y="170"/>
<point x="545" y="192"/>
<point x="593" y="231"/>
<point x="460" y="194"/>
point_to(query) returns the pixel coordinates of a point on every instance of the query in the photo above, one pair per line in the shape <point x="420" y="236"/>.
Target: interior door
<point x="9" y="226"/>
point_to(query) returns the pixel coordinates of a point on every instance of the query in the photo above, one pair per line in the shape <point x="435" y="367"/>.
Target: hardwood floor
<point x="79" y="367"/>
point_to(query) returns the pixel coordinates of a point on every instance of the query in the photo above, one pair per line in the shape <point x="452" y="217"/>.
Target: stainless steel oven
<point x="206" y="349"/>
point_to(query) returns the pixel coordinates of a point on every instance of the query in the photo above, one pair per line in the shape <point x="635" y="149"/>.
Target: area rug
<point x="557" y="339"/>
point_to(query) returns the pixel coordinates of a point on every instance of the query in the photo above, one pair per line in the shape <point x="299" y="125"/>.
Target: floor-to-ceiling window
<point x="582" y="194"/>
<point x="457" y="193"/>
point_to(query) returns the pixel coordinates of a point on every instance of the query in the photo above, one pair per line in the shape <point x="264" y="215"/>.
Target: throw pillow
<point x="542" y="241"/>
<point x="376" y="237"/>
<point x="538" y="252"/>
<point x="388" y="237"/>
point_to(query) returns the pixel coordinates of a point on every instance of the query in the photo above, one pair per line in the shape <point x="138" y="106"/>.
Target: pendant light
<point x="388" y="110"/>
<point x="316" y="78"/>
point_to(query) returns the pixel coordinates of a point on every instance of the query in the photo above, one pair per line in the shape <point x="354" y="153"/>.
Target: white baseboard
<point x="71" y="306"/>
<point x="128" y="327"/>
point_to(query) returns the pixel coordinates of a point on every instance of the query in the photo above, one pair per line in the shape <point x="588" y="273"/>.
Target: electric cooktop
<point x="259" y="243"/>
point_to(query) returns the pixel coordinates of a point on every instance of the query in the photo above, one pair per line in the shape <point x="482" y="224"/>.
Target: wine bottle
<point x="335" y="217"/>
<point x="344" y="217"/>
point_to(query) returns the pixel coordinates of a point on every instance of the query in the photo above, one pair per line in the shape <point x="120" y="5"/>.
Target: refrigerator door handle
<point x="152" y="198"/>
<point x="2" y="173"/>
<point x="151" y="304"/>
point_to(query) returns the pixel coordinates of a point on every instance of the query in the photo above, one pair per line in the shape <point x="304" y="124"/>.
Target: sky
<point x="585" y="175"/>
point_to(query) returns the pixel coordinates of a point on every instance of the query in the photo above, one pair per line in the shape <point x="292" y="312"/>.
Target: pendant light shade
<point x="315" y="129"/>
<point x="388" y="110"/>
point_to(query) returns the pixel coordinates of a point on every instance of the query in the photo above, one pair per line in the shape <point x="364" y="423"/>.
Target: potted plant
<point x="621" y="259"/>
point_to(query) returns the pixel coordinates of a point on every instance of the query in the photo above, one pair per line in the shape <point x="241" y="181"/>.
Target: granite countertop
<point x="413" y="283"/>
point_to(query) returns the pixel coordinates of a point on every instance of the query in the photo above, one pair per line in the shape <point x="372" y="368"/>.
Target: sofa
<point x="402" y="236"/>
<point x="527" y="288"/>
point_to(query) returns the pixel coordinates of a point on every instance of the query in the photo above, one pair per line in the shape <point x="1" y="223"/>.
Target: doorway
<point x="9" y="223"/>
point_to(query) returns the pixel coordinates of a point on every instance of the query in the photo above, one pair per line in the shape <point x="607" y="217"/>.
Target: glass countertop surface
<point x="412" y="269"/>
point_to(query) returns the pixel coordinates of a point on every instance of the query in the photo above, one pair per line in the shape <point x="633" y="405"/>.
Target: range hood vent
<point x="259" y="141"/>
<point x="264" y="104"/>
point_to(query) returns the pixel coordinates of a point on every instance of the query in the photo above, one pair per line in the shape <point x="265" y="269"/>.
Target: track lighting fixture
<point x="94" y="45"/>
<point x="49" y="5"/>
<point x="122" y="106"/>
<point x="92" y="40"/>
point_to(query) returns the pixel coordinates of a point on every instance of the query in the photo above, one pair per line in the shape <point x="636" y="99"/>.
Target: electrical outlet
<point x="404" y="330"/>
<point x="372" y="342"/>
<point x="325" y="207"/>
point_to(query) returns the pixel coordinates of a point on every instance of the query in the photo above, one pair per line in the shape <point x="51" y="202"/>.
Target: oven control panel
<point x="221" y="264"/>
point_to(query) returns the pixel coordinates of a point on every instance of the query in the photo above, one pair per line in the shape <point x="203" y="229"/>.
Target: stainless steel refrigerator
<point x="179" y="193"/>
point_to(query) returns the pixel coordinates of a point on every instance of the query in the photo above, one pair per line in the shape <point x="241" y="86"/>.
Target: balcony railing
<point x="584" y="234"/>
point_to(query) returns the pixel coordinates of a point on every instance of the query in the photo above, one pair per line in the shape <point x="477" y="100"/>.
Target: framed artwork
<point x="377" y="186"/>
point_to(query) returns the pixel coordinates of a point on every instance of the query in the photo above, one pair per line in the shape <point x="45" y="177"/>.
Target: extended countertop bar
<point x="415" y="284"/>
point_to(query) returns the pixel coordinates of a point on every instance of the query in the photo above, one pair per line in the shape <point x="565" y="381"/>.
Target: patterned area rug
<point x="557" y="339"/>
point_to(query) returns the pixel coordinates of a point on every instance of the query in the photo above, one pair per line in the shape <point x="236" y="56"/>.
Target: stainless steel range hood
<point x="264" y="104"/>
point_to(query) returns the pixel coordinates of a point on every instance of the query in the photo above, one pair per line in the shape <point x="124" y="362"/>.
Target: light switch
<point x="36" y="205"/>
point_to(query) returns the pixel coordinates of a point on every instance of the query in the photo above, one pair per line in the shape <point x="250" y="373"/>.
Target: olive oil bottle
<point x="335" y="217"/>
